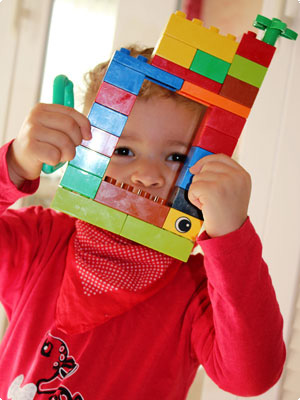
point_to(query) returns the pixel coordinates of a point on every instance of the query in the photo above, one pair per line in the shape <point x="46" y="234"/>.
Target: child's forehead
<point x="162" y="117"/>
<point x="166" y="110"/>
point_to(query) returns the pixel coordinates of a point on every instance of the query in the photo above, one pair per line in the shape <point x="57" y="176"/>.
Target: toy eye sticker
<point x="183" y="224"/>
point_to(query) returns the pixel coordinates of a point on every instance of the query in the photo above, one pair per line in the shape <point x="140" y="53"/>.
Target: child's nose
<point x="148" y="175"/>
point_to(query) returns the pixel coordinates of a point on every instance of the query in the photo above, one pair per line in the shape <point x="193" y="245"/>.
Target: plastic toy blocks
<point x="175" y="51"/>
<point x="90" y="161"/>
<point x="196" y="35"/>
<point x="169" y="81"/>
<point x="215" y="141"/>
<point x="182" y="224"/>
<point x="247" y="71"/>
<point x="115" y="98"/>
<point x="109" y="120"/>
<point x="124" y="78"/>
<point x="255" y="50"/>
<point x="208" y="98"/>
<point x="179" y="200"/>
<point x="273" y="29"/>
<point x="186" y="74"/>
<point x="123" y="199"/>
<point x="102" y="142"/>
<point x="88" y="210"/>
<point x="185" y="178"/>
<point x="157" y="238"/>
<point x="223" y="121"/>
<point x="195" y="154"/>
<point x="210" y="66"/>
<point x="200" y="64"/>
<point x="80" y="181"/>
<point x="239" y="91"/>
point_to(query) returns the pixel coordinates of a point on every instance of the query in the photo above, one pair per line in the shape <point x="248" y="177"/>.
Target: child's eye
<point x="177" y="157"/>
<point x="123" y="151"/>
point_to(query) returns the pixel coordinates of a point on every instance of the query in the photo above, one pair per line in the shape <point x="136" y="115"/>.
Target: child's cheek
<point x="114" y="171"/>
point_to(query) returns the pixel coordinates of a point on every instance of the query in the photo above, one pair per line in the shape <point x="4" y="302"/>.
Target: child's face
<point x="154" y="145"/>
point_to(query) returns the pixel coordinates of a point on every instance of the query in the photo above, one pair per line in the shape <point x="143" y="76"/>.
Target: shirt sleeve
<point x="27" y="236"/>
<point x="9" y="193"/>
<point x="237" y="326"/>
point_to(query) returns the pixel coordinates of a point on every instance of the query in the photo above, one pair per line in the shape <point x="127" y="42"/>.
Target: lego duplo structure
<point x="198" y="63"/>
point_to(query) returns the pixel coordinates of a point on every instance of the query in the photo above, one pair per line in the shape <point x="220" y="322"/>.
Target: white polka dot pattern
<point x="108" y="262"/>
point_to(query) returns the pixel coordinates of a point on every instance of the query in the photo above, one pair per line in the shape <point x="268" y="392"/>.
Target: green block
<point x="157" y="238"/>
<point x="210" y="66"/>
<point x="81" y="181"/>
<point x="247" y="71"/>
<point x="88" y="210"/>
<point x="90" y="161"/>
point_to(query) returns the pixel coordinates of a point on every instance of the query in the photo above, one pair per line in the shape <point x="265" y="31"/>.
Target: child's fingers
<point x="201" y="191"/>
<point x="63" y="123"/>
<point x="210" y="176"/>
<point x="65" y="149"/>
<point x="205" y="187"/>
<point x="216" y="168"/>
<point x="54" y="113"/>
<point x="46" y="153"/>
<point x="213" y="158"/>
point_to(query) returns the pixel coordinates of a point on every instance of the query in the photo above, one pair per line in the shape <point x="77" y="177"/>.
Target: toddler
<point x="96" y="316"/>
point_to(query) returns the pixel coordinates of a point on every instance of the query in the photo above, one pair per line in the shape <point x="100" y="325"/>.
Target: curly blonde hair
<point x="94" y="77"/>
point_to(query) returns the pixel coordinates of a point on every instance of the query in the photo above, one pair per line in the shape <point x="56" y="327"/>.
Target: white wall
<point x="142" y="22"/>
<point x="23" y="36"/>
<point x="270" y="151"/>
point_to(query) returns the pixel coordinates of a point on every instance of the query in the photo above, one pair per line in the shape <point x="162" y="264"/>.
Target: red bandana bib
<point x="105" y="276"/>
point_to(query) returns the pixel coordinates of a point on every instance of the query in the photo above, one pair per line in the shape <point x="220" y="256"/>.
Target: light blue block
<point x="184" y="179"/>
<point x="109" y="120"/>
<point x="90" y="161"/>
<point x="195" y="154"/>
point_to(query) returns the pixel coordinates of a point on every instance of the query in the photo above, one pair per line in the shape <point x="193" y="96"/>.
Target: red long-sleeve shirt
<point x="220" y="311"/>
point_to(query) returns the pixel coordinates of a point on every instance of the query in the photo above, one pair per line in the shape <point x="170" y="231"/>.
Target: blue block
<point x="180" y="201"/>
<point x="184" y="179"/>
<point x="90" y="161"/>
<point x="106" y="119"/>
<point x="195" y="154"/>
<point x="123" y="77"/>
<point x="152" y="73"/>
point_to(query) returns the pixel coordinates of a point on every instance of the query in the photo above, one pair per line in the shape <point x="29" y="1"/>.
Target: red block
<point x="132" y="204"/>
<point x="239" y="91"/>
<point x="217" y="142"/>
<point x="255" y="49"/>
<point x="223" y="121"/>
<point x="115" y="98"/>
<point x="186" y="74"/>
<point x="102" y="142"/>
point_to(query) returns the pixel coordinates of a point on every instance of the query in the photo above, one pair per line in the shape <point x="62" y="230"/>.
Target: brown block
<point x="137" y="206"/>
<point x="239" y="91"/>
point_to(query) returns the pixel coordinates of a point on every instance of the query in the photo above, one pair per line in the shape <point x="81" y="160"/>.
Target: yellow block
<point x="173" y="50"/>
<point x="182" y="224"/>
<point x="196" y="35"/>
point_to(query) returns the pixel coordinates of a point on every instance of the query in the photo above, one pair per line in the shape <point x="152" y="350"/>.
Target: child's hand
<point x="49" y="135"/>
<point x="221" y="189"/>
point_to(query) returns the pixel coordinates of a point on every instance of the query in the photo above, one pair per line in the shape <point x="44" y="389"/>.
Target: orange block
<point x="209" y="98"/>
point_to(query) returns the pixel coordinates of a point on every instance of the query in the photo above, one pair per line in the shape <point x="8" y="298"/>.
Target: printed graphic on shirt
<point x="16" y="392"/>
<point x="61" y="366"/>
